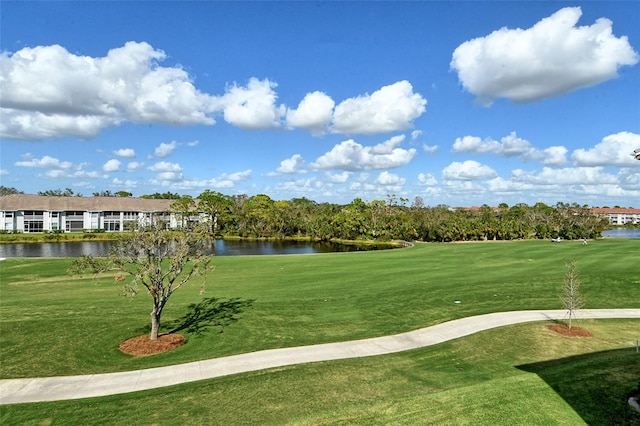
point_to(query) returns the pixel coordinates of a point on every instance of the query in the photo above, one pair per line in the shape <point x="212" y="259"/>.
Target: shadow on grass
<point x="210" y="313"/>
<point x="596" y="385"/>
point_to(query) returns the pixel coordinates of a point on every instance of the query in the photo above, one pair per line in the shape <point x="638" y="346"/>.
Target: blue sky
<point x="459" y="103"/>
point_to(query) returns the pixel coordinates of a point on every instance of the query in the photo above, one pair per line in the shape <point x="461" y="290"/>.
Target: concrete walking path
<point x="14" y="391"/>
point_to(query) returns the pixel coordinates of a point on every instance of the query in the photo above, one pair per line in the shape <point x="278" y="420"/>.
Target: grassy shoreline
<point x="27" y="238"/>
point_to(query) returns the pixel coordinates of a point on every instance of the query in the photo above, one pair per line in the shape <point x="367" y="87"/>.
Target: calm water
<point x="622" y="233"/>
<point x="218" y="247"/>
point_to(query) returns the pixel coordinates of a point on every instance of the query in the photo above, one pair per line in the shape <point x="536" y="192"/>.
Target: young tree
<point x="572" y="299"/>
<point x="158" y="260"/>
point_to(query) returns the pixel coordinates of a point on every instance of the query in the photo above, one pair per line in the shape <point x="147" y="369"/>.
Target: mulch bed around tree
<point x="570" y="332"/>
<point x="143" y="346"/>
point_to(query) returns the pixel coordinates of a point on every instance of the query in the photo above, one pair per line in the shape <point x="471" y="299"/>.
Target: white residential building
<point x="36" y="213"/>
<point x="619" y="216"/>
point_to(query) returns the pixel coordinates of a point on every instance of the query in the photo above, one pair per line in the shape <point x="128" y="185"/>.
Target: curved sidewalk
<point x="14" y="391"/>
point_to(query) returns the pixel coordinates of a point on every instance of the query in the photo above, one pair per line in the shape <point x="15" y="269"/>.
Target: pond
<point x="218" y="247"/>
<point x="622" y="233"/>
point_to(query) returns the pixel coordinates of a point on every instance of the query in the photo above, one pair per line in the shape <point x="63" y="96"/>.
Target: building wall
<point x="623" y="218"/>
<point x="75" y="221"/>
<point x="619" y="216"/>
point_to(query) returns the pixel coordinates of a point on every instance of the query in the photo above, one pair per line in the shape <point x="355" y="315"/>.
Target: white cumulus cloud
<point x="35" y="125"/>
<point x="314" y="113"/>
<point x="468" y="170"/>
<point x="511" y="146"/>
<point x="251" y="107"/>
<point x="551" y="58"/>
<point x="337" y="177"/>
<point x="224" y="181"/>
<point x="125" y="153"/>
<point x="389" y="179"/>
<point x="165" y="166"/>
<point x="388" y="109"/>
<point x="552" y="156"/>
<point x="613" y="150"/>
<point x="165" y="149"/>
<point x="508" y="146"/>
<point x="295" y="164"/>
<point x="429" y="149"/>
<point x="57" y="169"/>
<point x="111" y="165"/>
<point x="134" y="165"/>
<point x="427" y="179"/>
<point x="46" y="162"/>
<point x="48" y="92"/>
<point x="351" y="156"/>
<point x="565" y="176"/>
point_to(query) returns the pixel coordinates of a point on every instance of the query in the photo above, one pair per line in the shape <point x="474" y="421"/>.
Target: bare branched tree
<point x="572" y="299"/>
<point x="152" y="258"/>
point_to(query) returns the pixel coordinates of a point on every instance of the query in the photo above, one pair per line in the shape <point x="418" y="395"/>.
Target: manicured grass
<point x="516" y="375"/>
<point x="54" y="324"/>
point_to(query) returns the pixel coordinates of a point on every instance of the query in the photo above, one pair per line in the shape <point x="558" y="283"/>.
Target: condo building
<point x="36" y="213"/>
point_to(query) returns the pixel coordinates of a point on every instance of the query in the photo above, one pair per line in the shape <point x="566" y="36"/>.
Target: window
<point x="95" y="220"/>
<point x="112" y="225"/>
<point x="55" y="221"/>
<point x="112" y="215"/>
<point x="130" y="218"/>
<point x="33" y="226"/>
<point x="8" y="221"/>
<point x="75" y="221"/>
<point x="33" y="221"/>
<point x="112" y="221"/>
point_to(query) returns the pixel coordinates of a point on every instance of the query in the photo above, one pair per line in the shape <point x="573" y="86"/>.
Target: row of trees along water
<point x="391" y="219"/>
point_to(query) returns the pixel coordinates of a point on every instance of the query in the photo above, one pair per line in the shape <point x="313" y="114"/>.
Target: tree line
<point x="260" y="216"/>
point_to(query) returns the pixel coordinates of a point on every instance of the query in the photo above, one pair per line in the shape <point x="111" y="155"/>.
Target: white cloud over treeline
<point x="552" y="57"/>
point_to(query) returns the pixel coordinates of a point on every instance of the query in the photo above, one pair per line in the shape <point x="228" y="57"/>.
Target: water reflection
<point x="622" y="233"/>
<point x="217" y="247"/>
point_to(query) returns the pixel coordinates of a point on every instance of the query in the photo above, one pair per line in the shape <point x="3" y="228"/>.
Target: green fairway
<point x="54" y="324"/>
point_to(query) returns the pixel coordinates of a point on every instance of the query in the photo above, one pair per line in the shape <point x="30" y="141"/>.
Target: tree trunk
<point x="155" y="324"/>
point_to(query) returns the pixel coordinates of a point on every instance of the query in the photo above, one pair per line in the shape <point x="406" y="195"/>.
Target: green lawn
<point x="53" y="324"/>
<point x="517" y="375"/>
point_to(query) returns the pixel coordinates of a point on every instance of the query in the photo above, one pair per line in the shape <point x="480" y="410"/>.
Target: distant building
<point x="36" y="213"/>
<point x="619" y="216"/>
